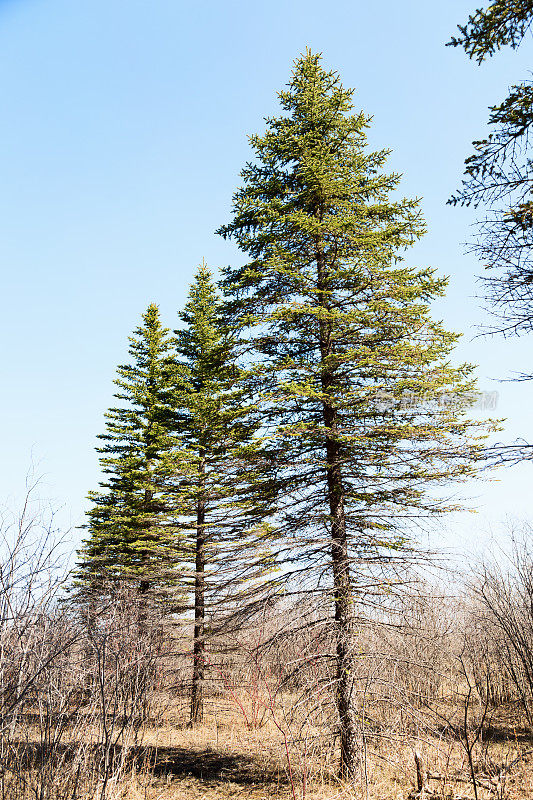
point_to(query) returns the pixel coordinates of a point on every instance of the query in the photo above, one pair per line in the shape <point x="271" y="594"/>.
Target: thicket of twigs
<point x="444" y="688"/>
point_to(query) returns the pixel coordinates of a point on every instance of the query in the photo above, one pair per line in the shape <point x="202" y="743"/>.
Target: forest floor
<point x="224" y="760"/>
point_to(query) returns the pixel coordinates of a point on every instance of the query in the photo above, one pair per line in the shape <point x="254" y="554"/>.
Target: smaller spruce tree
<point x="224" y="487"/>
<point x="132" y="538"/>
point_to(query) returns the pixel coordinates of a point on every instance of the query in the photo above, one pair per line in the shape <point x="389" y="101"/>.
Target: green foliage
<point x="132" y="536"/>
<point x="356" y="378"/>
<point x="223" y="483"/>
<point x="498" y="174"/>
<point x="504" y="22"/>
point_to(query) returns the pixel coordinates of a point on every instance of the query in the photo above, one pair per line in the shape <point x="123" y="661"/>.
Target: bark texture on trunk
<point x="342" y="583"/>
<point x="344" y="615"/>
<point x="197" y="693"/>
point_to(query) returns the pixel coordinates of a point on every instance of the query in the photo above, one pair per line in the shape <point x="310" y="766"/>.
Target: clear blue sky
<point x="123" y="131"/>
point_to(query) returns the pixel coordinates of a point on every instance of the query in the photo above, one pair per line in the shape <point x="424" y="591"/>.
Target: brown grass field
<point x="223" y="759"/>
<point x="96" y="707"/>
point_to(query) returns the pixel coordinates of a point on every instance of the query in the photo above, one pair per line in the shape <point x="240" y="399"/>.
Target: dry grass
<point x="219" y="762"/>
<point x="224" y="760"/>
<point x="95" y="708"/>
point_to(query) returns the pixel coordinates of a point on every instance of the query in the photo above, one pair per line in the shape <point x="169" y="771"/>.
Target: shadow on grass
<point x="206" y="765"/>
<point x="494" y="733"/>
<point x="209" y="766"/>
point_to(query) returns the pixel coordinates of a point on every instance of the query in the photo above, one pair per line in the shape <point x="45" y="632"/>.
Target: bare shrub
<point x="74" y="698"/>
<point x="504" y="620"/>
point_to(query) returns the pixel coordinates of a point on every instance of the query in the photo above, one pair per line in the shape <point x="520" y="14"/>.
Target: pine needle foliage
<point x="503" y="22"/>
<point x="498" y="175"/>
<point x="356" y="384"/>
<point x="132" y="538"/>
<point x="225" y="488"/>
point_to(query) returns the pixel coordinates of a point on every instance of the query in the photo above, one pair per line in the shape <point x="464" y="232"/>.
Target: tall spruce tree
<point x="132" y="537"/>
<point x="355" y="373"/>
<point x="224" y="485"/>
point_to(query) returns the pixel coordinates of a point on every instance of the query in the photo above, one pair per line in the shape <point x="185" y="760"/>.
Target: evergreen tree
<point x="498" y="175"/>
<point x="501" y="24"/>
<point x="132" y="538"/>
<point x="224" y="485"/>
<point x="354" y="371"/>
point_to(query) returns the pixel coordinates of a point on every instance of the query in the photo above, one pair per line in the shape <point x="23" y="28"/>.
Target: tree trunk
<point x="197" y="697"/>
<point x="342" y="584"/>
<point x="344" y="606"/>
